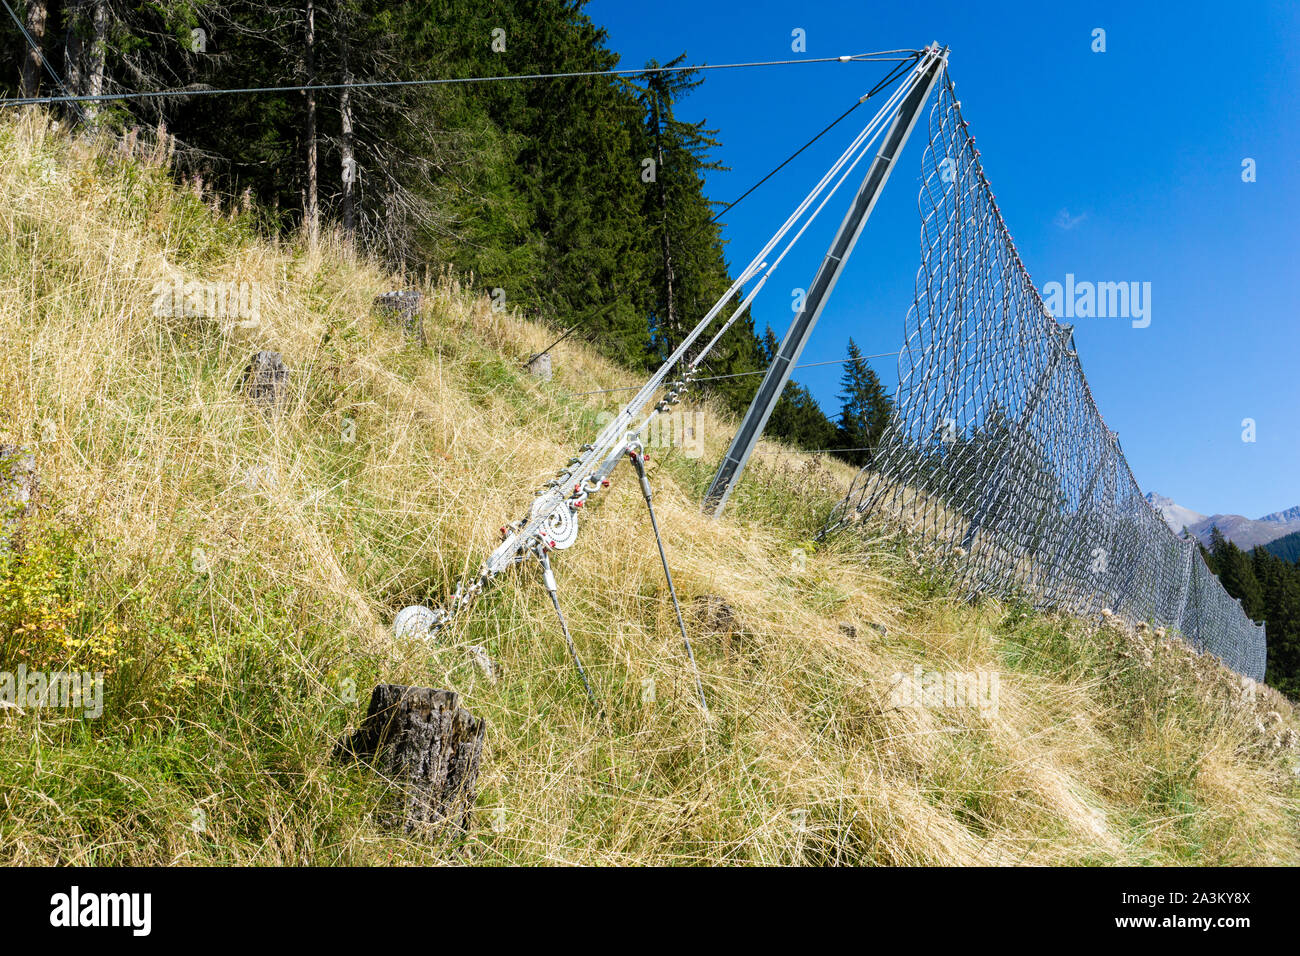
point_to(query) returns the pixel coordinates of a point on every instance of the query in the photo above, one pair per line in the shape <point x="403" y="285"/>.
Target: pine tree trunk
<point x="311" y="207"/>
<point x="73" y="48"/>
<point x="349" y="155"/>
<point x="97" y="59"/>
<point x="670" y="302"/>
<point x="34" y="61"/>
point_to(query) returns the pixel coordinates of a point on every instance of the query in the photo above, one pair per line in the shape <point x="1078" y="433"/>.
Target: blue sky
<point x="1116" y="166"/>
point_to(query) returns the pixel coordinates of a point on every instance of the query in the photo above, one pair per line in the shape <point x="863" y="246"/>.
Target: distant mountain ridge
<point x="1175" y="515"/>
<point x="1245" y="533"/>
<point x="1291" y="515"/>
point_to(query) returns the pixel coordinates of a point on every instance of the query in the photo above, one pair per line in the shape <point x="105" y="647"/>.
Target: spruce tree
<point x="1237" y="574"/>
<point x="865" y="411"/>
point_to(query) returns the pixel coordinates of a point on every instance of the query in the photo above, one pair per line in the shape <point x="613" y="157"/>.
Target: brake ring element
<point x="418" y="621"/>
<point x="561" y="529"/>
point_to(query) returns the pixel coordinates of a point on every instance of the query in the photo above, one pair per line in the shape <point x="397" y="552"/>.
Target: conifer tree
<point x="865" y="411"/>
<point x="1237" y="574"/>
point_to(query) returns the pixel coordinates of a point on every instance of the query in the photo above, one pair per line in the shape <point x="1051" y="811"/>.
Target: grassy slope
<point x="242" y="619"/>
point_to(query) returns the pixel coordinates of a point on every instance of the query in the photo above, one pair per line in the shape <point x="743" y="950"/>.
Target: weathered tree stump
<point x="424" y="740"/>
<point x="18" y="484"/>
<point x="404" y="306"/>
<point x="714" y="614"/>
<point x="540" y="366"/>
<point x="266" y="381"/>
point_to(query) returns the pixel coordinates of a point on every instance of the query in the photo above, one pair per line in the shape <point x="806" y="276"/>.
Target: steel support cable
<point x="864" y="143"/>
<point x="856" y="149"/>
<point x="889" y="78"/>
<point x="716" y="378"/>
<point x="548" y="580"/>
<point x="885" y="56"/>
<point x="638" y="460"/>
<point x="552" y="521"/>
<point x="45" y="61"/>
<point x="870" y="130"/>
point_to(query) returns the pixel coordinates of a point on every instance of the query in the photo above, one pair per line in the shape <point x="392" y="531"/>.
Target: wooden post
<point x="425" y="741"/>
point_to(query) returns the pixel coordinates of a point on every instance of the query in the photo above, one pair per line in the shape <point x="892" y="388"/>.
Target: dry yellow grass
<point x="239" y="573"/>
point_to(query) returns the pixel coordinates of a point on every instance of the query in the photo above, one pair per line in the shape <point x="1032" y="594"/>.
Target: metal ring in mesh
<point x="996" y="451"/>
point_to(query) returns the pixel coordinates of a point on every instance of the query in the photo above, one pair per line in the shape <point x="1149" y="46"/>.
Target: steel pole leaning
<point x="760" y="410"/>
<point x="607" y="445"/>
<point x="557" y="502"/>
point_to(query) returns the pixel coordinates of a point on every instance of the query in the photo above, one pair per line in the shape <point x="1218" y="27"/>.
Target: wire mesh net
<point x="996" y="452"/>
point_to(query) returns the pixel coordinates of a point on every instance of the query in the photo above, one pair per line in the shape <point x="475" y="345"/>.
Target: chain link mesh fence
<point x="996" y="451"/>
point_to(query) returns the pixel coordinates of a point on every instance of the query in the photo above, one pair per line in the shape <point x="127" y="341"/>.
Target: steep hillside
<point x="235" y="573"/>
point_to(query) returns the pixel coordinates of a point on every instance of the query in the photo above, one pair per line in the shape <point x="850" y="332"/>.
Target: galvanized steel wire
<point x="996" y="453"/>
